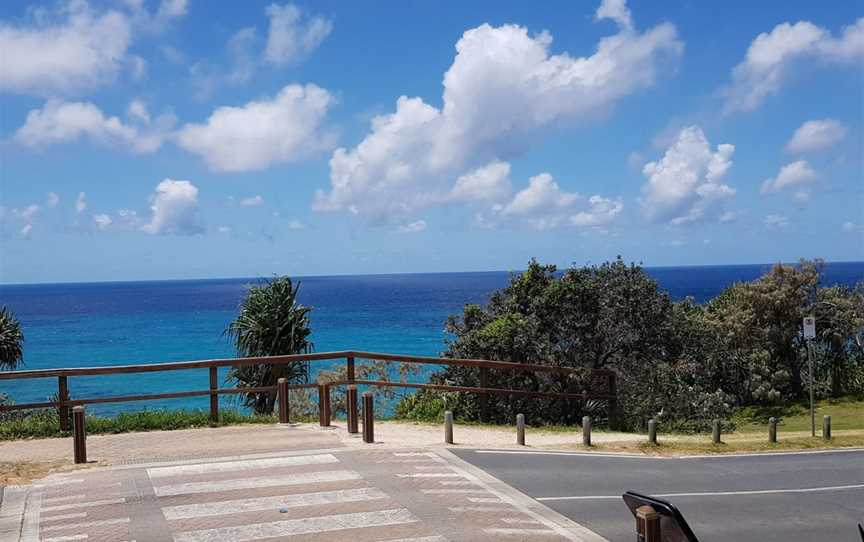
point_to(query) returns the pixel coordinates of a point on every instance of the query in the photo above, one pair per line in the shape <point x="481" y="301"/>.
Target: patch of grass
<point x="46" y="423"/>
<point x="847" y="413"/>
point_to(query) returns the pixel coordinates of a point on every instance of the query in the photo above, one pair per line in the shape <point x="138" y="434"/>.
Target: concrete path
<point x="771" y="497"/>
<point x="314" y="490"/>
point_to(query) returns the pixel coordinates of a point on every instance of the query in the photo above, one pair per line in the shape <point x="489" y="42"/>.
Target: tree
<point x="270" y="323"/>
<point x="11" y="341"/>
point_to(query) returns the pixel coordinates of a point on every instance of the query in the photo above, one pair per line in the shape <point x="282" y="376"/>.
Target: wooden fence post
<point x="282" y="398"/>
<point x="647" y="524"/>
<point x="772" y="430"/>
<point x="368" y="417"/>
<point x="520" y="429"/>
<point x="349" y="368"/>
<point x="652" y="431"/>
<point x="214" y="397"/>
<point x="324" y="405"/>
<point x="79" y="435"/>
<point x="586" y="430"/>
<point x="352" y="409"/>
<point x="448" y="427"/>
<point x="63" y="395"/>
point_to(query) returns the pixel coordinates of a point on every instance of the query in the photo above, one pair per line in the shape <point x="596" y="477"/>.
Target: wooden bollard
<point x="772" y="430"/>
<point x="324" y="405"/>
<point x="352" y="410"/>
<point x="826" y="427"/>
<point x="586" y="430"/>
<point x="79" y="435"/>
<point x="368" y="417"/>
<point x="214" y="397"/>
<point x="715" y="432"/>
<point x="647" y="524"/>
<point x="520" y="429"/>
<point x="652" y="431"/>
<point x="63" y="395"/>
<point x="282" y="399"/>
<point x="448" y="427"/>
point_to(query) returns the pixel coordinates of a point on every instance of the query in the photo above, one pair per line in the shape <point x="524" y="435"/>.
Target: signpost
<point x="809" y="335"/>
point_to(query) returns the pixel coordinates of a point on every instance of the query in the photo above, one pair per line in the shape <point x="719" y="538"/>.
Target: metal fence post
<point x="214" y="397"/>
<point x="520" y="429"/>
<point x="282" y="398"/>
<point x="368" y="417"/>
<point x="352" y="409"/>
<point x="772" y="430"/>
<point x="715" y="430"/>
<point x="448" y="427"/>
<point x="652" y="431"/>
<point x="79" y="435"/>
<point x="586" y="430"/>
<point x="63" y="395"/>
<point x="826" y="427"/>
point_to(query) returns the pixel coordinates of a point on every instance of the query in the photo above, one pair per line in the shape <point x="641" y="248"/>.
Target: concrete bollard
<point x="79" y="435"/>
<point x="652" y="431"/>
<point x="772" y="430"/>
<point x="715" y="432"/>
<point x="520" y="429"/>
<point x="352" y="410"/>
<point x="368" y="417"/>
<point x="282" y="399"/>
<point x="586" y="430"/>
<point x="448" y="427"/>
<point x="826" y="427"/>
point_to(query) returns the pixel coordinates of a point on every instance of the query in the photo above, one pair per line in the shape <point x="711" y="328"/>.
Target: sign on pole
<point x="809" y="327"/>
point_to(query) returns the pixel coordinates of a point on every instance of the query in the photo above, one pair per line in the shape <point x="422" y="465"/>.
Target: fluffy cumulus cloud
<point x="797" y="177"/>
<point x="816" y="135"/>
<point x="70" y="50"/>
<point x="285" y="128"/>
<point x="686" y="185"/>
<point x="293" y="35"/>
<point x="771" y="55"/>
<point x="504" y="87"/>
<point x="488" y="183"/>
<point x="174" y="209"/>
<point x="62" y="122"/>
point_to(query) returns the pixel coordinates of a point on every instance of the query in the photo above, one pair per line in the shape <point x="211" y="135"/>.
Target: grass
<point x="846" y="413"/>
<point x="46" y="424"/>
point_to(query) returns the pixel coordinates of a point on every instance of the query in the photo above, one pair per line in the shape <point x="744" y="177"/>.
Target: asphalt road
<point x="756" y="498"/>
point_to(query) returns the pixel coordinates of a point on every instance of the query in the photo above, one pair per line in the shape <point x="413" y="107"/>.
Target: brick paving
<point x="311" y="490"/>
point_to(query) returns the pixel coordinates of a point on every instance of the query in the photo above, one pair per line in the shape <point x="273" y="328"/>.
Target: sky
<point x="166" y="139"/>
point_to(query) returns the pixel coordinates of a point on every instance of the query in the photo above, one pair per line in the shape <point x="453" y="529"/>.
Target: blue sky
<point x="184" y="139"/>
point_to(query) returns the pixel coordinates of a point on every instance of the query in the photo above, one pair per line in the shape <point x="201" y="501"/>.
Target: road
<point x="756" y="498"/>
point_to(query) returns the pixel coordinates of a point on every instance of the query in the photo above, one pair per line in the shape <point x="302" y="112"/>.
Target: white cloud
<point x="816" y="135"/>
<point x="293" y="35"/>
<point x="686" y="184"/>
<point x="765" y="68"/>
<point x="776" y="221"/>
<point x="413" y="227"/>
<point x="728" y="216"/>
<point x="251" y="201"/>
<point x="797" y="175"/>
<point x="542" y="195"/>
<point x="615" y="10"/>
<point x="167" y="13"/>
<point x="601" y="212"/>
<point x="503" y="89"/>
<point x="224" y="229"/>
<point x="488" y="183"/>
<point x="261" y="133"/>
<point x="138" y="110"/>
<point x="174" y="209"/>
<point x="26" y="230"/>
<point x="27" y="213"/>
<point x="63" y="122"/>
<point x="296" y="225"/>
<point x="52" y="199"/>
<point x="63" y="52"/>
<point x="102" y="221"/>
<point x="851" y="227"/>
<point x="81" y="202"/>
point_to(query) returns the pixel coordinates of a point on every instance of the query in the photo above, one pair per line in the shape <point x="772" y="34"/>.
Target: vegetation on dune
<point x="270" y="323"/>
<point x="682" y="363"/>
<point x="11" y="341"/>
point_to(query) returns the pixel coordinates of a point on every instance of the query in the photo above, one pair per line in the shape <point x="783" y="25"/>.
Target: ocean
<point x="111" y="323"/>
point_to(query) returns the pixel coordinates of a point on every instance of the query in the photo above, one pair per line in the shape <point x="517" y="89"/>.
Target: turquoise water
<point x="97" y="324"/>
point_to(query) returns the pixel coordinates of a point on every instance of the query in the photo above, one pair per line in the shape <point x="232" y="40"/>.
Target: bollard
<point x="79" y="435"/>
<point x="368" y="417"/>
<point x="647" y="524"/>
<point x="352" y="410"/>
<point x="520" y="429"/>
<point x="716" y="432"/>
<point x="652" y="431"/>
<point x="586" y="430"/>
<point x="282" y="398"/>
<point x="324" y="405"/>
<point x="772" y="430"/>
<point x="448" y="427"/>
<point x="214" y="397"/>
<point x="826" y="427"/>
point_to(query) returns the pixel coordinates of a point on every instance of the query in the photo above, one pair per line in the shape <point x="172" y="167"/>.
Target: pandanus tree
<point x="270" y="323"/>
<point x="11" y="340"/>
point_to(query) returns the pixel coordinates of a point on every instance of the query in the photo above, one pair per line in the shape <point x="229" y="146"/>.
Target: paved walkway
<point x="313" y="488"/>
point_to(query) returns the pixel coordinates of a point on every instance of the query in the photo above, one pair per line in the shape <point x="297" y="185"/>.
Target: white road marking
<point x="462" y="509"/>
<point x="764" y="454"/>
<point x="252" y="483"/>
<point x="575" y="454"/>
<point x="85" y="504"/>
<point x="431" y="475"/>
<point x="455" y="491"/>
<point x="415" y="460"/>
<point x="64" y="516"/>
<point x="66" y="538"/>
<point x="294" y="527"/>
<point x="456" y="482"/>
<point x="435" y="538"/>
<point x="430" y="467"/>
<point x="484" y="499"/>
<point x="271" y="503"/>
<point x="711" y="493"/>
<point x="231" y="466"/>
<point x="51" y="500"/>
<point x="85" y="524"/>
<point x="412" y="454"/>
<point x="520" y="532"/>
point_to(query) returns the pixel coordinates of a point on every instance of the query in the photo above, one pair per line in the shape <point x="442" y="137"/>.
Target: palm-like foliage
<point x="11" y="340"/>
<point x="270" y="323"/>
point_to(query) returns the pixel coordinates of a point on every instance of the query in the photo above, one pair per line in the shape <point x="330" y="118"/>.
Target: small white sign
<point x="809" y="327"/>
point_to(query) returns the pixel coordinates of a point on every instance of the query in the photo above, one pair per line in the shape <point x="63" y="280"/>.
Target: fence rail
<point x="65" y="402"/>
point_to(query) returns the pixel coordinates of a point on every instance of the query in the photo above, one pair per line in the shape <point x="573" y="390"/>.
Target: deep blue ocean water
<point x="111" y="323"/>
